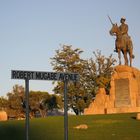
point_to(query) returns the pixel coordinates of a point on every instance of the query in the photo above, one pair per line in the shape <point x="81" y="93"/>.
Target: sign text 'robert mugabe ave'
<point x="39" y="75"/>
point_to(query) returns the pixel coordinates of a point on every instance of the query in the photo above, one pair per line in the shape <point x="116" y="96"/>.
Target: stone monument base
<point x="124" y="94"/>
<point x="3" y="116"/>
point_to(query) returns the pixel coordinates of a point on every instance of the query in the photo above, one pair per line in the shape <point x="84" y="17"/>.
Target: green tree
<point x="81" y="104"/>
<point x="94" y="73"/>
<point x="3" y="103"/>
<point x="37" y="102"/>
<point x="97" y="73"/>
<point x="15" y="97"/>
<point x="54" y="102"/>
<point x="68" y="60"/>
<point x="15" y="103"/>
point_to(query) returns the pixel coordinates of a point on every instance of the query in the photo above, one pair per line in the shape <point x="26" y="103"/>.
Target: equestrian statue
<point x="123" y="42"/>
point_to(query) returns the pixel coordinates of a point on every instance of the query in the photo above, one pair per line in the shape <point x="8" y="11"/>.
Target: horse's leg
<point x="130" y="56"/>
<point x="125" y="57"/>
<point x="119" y="56"/>
<point x="130" y="50"/>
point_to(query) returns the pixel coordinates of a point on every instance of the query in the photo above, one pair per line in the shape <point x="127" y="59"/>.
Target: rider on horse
<point x="124" y="31"/>
<point x="123" y="42"/>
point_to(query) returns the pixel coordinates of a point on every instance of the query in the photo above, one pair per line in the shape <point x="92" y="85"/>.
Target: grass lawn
<point x="100" y="127"/>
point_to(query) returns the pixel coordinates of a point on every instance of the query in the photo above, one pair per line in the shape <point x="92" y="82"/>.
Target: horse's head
<point x="114" y="29"/>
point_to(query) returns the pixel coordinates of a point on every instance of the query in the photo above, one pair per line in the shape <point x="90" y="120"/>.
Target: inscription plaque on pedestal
<point x="122" y="93"/>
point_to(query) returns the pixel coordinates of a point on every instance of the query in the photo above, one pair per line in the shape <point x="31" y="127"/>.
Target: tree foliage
<point x="14" y="98"/>
<point x="3" y="103"/>
<point x="68" y="60"/>
<point x="97" y="72"/>
<point x="40" y="102"/>
<point x="94" y="73"/>
<point x="37" y="102"/>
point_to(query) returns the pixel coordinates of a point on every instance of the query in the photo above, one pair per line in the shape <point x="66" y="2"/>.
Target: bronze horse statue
<point x="123" y="44"/>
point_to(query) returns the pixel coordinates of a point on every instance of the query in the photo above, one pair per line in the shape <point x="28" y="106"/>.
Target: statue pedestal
<point x="124" y="94"/>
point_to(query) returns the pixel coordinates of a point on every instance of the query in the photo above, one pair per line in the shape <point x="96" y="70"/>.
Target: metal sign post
<point x="41" y="75"/>
<point x="27" y="108"/>
<point x="65" y="111"/>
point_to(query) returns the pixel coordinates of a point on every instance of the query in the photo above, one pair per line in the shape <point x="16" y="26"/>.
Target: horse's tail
<point x="133" y="56"/>
<point x="131" y="46"/>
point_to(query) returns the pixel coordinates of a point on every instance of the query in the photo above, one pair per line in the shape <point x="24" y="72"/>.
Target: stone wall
<point x="124" y="93"/>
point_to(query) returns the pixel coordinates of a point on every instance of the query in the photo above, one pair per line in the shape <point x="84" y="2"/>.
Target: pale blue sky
<point x="31" y="31"/>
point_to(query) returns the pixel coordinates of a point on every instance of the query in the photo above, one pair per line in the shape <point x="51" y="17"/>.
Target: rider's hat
<point x="123" y="18"/>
